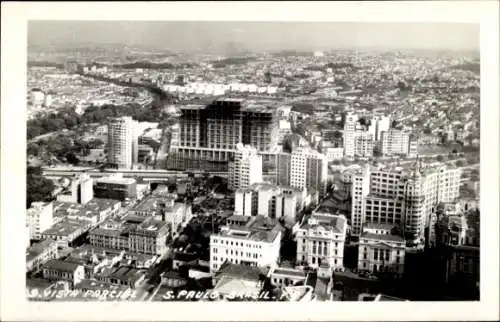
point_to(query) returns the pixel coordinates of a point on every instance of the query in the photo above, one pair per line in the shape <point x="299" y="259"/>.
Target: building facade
<point x="245" y="169"/>
<point x="363" y="144"/>
<point x="80" y="190"/>
<point x="39" y="218"/>
<point x="350" y="124"/>
<point x="250" y="241"/>
<point x="115" y="187"/>
<point x="208" y="134"/>
<point x="269" y="201"/>
<point x="308" y="169"/>
<point x="39" y="253"/>
<point x="122" y="142"/>
<point x="381" y="251"/>
<point x="320" y="240"/>
<point x="360" y="188"/>
<point x="59" y="270"/>
<point x="395" y="142"/>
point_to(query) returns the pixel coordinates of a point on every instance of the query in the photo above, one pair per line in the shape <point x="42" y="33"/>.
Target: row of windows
<point x="235" y="243"/>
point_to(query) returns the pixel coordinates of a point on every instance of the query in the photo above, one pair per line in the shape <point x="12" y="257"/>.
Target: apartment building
<point x="393" y="195"/>
<point x="122" y="142"/>
<point x="115" y="187"/>
<point x="350" y="125"/>
<point x="245" y="169"/>
<point x="395" y="142"/>
<point x="320" y="240"/>
<point x="39" y="218"/>
<point x="80" y="190"/>
<point x="381" y="250"/>
<point x="250" y="241"/>
<point x="334" y="153"/>
<point x="39" y="253"/>
<point x="59" y="270"/>
<point x="150" y="237"/>
<point x="269" y="201"/>
<point x="308" y="169"/>
<point x="360" y="188"/>
<point x="208" y="134"/>
<point x="146" y="236"/>
<point x="363" y="144"/>
<point x="379" y="124"/>
<point x="449" y="184"/>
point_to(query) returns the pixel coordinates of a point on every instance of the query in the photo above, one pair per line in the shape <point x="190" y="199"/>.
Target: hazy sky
<point x="257" y="35"/>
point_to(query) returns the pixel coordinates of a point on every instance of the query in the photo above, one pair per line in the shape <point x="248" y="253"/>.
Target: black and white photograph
<point x="229" y="160"/>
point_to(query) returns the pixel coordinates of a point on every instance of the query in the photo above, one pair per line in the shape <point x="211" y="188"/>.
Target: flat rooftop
<point x="259" y="228"/>
<point x="38" y="248"/>
<point x="383" y="237"/>
<point x="113" y="179"/>
<point x="334" y="223"/>
<point x="65" y="228"/>
<point x="289" y="272"/>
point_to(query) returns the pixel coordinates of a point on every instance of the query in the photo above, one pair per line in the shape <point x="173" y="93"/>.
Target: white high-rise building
<point x="395" y="142"/>
<point x="39" y="218"/>
<point x="244" y="202"/>
<point x="320" y="240"/>
<point x="246" y="169"/>
<point x="359" y="190"/>
<point x="268" y="200"/>
<point x="122" y="142"/>
<point x="309" y="169"/>
<point x="37" y="97"/>
<point x="409" y="198"/>
<point x="350" y="125"/>
<point x="378" y="125"/>
<point x="449" y="184"/>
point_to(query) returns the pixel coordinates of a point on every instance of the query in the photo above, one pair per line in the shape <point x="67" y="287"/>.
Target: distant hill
<point x="473" y="67"/>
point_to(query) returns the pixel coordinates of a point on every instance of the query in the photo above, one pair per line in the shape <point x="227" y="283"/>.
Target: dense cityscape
<point x="339" y="175"/>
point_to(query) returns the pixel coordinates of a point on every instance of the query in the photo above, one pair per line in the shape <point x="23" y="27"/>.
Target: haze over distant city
<point x="255" y="36"/>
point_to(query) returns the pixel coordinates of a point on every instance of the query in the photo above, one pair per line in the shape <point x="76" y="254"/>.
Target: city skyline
<point x="256" y="36"/>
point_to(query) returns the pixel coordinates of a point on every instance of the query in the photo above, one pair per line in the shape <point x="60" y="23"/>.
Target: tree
<point x="33" y="149"/>
<point x="72" y="159"/>
<point x="38" y="188"/>
<point x="440" y="158"/>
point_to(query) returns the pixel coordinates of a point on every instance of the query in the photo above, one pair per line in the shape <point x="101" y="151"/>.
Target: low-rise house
<point x="67" y="233"/>
<point x="282" y="276"/>
<point x="127" y="276"/>
<point x="39" y="253"/>
<point x="239" y="279"/>
<point x="172" y="279"/>
<point x="59" y="270"/>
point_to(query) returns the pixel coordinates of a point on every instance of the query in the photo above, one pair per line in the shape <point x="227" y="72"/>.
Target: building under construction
<point x="208" y="134"/>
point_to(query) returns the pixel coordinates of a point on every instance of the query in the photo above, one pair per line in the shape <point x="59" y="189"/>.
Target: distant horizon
<point x="217" y="36"/>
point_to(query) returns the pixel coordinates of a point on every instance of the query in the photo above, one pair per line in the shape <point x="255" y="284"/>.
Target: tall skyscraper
<point x="208" y="134"/>
<point x="405" y="198"/>
<point x="122" y="142"/>
<point x="350" y="124"/>
<point x="245" y="169"/>
<point x="360" y="189"/>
